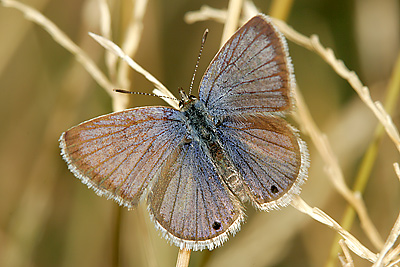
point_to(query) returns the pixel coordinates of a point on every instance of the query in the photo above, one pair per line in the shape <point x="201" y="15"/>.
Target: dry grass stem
<point x="105" y="19"/>
<point x="338" y="66"/>
<point x="384" y="256"/>
<point x="388" y="255"/>
<point x="218" y="15"/>
<point x="346" y="261"/>
<point x="395" y="263"/>
<point x="31" y="215"/>
<point x="171" y="102"/>
<point x="131" y="39"/>
<point x="333" y="169"/>
<point x="328" y="55"/>
<point x="367" y="163"/>
<point x="109" y="45"/>
<point x="322" y="143"/>
<point x="119" y="101"/>
<point x="183" y="258"/>
<point x="232" y="20"/>
<point x="397" y="169"/>
<point x="105" y="28"/>
<point x="205" y="13"/>
<point x="322" y="217"/>
<point x="61" y="38"/>
<point x="249" y="10"/>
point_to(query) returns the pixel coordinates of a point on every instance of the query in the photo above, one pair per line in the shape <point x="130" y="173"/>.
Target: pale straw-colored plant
<point x="239" y="11"/>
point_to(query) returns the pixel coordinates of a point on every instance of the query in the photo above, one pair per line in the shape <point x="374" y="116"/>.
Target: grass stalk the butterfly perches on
<point x="114" y="82"/>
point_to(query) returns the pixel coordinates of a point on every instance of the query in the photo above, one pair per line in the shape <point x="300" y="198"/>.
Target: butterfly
<point x="197" y="166"/>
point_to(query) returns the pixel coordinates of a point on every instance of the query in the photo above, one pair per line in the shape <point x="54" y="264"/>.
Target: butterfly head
<point x="185" y="99"/>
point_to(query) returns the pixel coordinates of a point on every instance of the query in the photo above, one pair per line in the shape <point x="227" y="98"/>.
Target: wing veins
<point x="210" y="105"/>
<point x="127" y="156"/>
<point x="177" y="190"/>
<point x="233" y="63"/>
<point x="140" y="161"/>
<point x="101" y="148"/>
<point x="259" y="138"/>
<point x="225" y="62"/>
<point x="253" y="157"/>
<point x="127" y="126"/>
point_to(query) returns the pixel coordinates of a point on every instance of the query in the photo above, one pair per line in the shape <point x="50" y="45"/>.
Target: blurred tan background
<point x="49" y="218"/>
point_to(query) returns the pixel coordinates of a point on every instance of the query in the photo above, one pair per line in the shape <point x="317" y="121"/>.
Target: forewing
<point x="119" y="154"/>
<point x="269" y="155"/>
<point x="251" y="73"/>
<point x="190" y="204"/>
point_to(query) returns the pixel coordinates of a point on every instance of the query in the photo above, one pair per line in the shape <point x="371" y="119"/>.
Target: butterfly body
<point x="202" y="128"/>
<point x="198" y="165"/>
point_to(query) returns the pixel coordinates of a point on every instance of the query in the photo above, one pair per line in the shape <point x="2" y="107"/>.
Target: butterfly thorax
<point x="199" y="122"/>
<point x="202" y="129"/>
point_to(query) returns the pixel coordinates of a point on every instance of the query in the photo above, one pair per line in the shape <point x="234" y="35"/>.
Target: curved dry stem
<point x="367" y="163"/>
<point x="109" y="45"/>
<point x="39" y="184"/>
<point x="333" y="169"/>
<point x="338" y="66"/>
<point x="218" y="15"/>
<point x="386" y="256"/>
<point x="61" y="38"/>
<point x="383" y="117"/>
<point x="205" y="13"/>
<point x="351" y="242"/>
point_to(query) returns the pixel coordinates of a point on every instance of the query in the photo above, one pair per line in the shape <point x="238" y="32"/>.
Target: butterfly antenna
<point x="203" y="40"/>
<point x="123" y="91"/>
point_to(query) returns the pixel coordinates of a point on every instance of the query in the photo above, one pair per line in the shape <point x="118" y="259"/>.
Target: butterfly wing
<point x="119" y="154"/>
<point x="251" y="73"/>
<point x="270" y="157"/>
<point x="190" y="203"/>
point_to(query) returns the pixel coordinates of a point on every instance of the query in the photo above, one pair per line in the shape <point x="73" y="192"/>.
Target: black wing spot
<point x="216" y="225"/>
<point x="274" y="189"/>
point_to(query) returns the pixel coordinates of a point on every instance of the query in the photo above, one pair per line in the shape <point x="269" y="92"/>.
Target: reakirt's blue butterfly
<point x="197" y="166"/>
